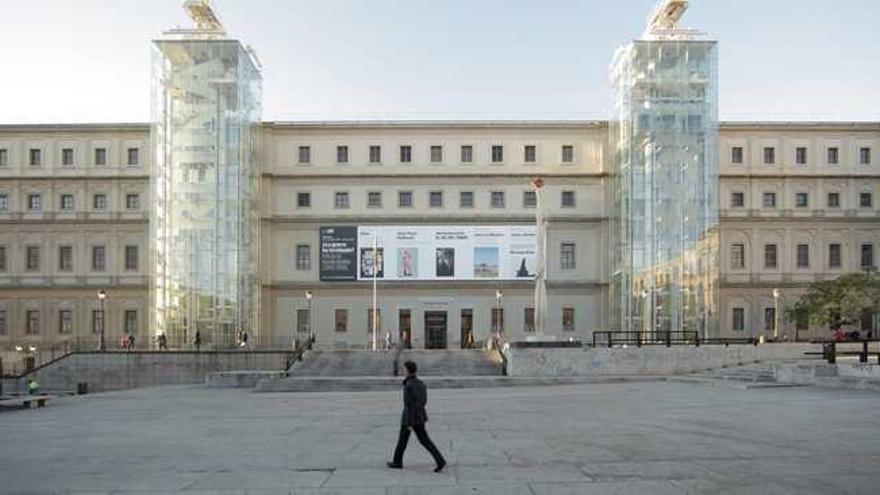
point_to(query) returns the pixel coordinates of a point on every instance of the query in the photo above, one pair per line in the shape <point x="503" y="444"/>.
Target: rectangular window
<point x="99" y="201"/>
<point x="566" y="256"/>
<point x="568" y="319"/>
<point x="2" y="258"/>
<point x="304" y="155"/>
<point x="498" y="320"/>
<point x="99" y="258"/>
<point x="866" y="200"/>
<point x="33" y="322"/>
<point x="770" y="258"/>
<point x="405" y="154"/>
<point x="833" y="156"/>
<point x="131" y="258"/>
<point x="739" y="319"/>
<point x="467" y="154"/>
<point x="769" y="200"/>
<point x="65" y="322"/>
<point x="340" y="201"/>
<point x="436" y="154"/>
<point x="302" y="321"/>
<point x="303" y="257"/>
<point x="342" y="154"/>
<point x="133" y="201"/>
<point x="66" y="202"/>
<point x="769" y="319"/>
<point x="568" y="199"/>
<point x="375" y="154"/>
<point x="35" y="202"/>
<point x="529" y="320"/>
<point x="803" y="255"/>
<point x="405" y="199"/>
<point x="834" y="258"/>
<point x="378" y="322"/>
<point x="97" y="321"/>
<point x="303" y="200"/>
<point x="567" y="153"/>
<point x="100" y="157"/>
<point x="530" y="199"/>
<point x="466" y="199"/>
<point x="3" y="322"/>
<point x="865" y="156"/>
<point x="374" y="199"/>
<point x="134" y="157"/>
<point x="800" y="156"/>
<point x="737" y="200"/>
<point x="867" y="256"/>
<point x="736" y="155"/>
<point x="834" y="200"/>
<point x="67" y="157"/>
<point x="341" y="320"/>
<point x="4" y="202"/>
<point x="801" y="200"/>
<point x="769" y="155"/>
<point x="529" y="154"/>
<point x="32" y="258"/>
<point x="737" y="256"/>
<point x="131" y="321"/>
<point x="497" y="153"/>
<point x="36" y="157"/>
<point x="435" y="199"/>
<point x="4" y="157"/>
<point x="497" y="199"/>
<point x="65" y="258"/>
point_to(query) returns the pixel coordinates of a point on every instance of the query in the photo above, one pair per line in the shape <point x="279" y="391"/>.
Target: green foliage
<point x="839" y="302"/>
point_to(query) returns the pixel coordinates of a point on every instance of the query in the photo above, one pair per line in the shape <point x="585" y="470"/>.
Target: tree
<point x="839" y="302"/>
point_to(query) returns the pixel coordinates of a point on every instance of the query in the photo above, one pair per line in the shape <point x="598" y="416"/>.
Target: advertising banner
<point x="338" y="254"/>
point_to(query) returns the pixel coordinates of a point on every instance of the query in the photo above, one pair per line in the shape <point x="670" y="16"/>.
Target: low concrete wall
<point x="125" y="370"/>
<point x="648" y="360"/>
<point x="857" y="376"/>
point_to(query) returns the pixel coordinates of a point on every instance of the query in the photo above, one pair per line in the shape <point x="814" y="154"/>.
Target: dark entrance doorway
<point x="404" y="326"/>
<point x="435" y="329"/>
<point x="467" y="329"/>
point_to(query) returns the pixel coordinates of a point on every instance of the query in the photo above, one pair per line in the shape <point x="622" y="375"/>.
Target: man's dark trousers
<point x="424" y="439"/>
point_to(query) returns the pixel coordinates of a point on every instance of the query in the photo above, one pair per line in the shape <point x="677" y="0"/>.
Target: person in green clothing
<point x="33" y="387"/>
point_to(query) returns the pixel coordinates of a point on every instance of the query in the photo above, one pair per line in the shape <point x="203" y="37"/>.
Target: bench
<point x="25" y="401"/>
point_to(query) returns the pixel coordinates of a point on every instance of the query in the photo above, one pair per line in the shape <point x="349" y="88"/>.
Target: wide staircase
<point x="758" y="375"/>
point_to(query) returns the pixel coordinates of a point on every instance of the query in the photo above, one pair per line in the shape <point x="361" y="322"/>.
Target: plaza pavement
<point x="575" y="439"/>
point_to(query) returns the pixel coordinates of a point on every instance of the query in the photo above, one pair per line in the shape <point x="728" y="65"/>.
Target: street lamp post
<point x="309" y="300"/>
<point x="775" y="314"/>
<point x="102" y="294"/>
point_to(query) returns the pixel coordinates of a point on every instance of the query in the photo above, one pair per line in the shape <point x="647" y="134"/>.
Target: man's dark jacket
<point x="415" y="396"/>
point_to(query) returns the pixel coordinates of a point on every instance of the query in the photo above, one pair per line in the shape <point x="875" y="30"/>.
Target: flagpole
<point x="375" y="294"/>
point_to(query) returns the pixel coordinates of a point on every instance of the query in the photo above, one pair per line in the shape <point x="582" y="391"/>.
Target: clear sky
<point x="89" y="60"/>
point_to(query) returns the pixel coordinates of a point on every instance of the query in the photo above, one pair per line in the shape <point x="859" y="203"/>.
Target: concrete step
<point x="240" y="379"/>
<point x="345" y="363"/>
<point x="458" y="362"/>
<point x="736" y="384"/>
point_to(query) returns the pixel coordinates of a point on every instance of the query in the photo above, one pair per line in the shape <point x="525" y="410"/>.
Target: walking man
<point x="415" y="396"/>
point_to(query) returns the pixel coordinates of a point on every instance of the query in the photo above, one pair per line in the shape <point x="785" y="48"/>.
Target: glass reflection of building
<point x="204" y="185"/>
<point x="665" y="220"/>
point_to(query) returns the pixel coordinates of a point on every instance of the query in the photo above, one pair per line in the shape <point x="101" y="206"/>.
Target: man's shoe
<point x="394" y="466"/>
<point x="440" y="467"/>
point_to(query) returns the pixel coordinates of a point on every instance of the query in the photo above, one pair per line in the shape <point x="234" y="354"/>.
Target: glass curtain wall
<point x="204" y="186"/>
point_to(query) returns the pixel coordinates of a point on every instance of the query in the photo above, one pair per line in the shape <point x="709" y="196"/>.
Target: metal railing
<point x="831" y="350"/>
<point x="611" y="338"/>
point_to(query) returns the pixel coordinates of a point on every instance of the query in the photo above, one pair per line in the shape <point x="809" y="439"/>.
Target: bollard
<point x="82" y="388"/>
<point x="863" y="357"/>
<point x="668" y="339"/>
<point x="828" y="352"/>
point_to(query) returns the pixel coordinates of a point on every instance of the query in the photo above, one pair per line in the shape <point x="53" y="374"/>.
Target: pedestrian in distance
<point x="415" y="397"/>
<point x="197" y="341"/>
<point x="131" y="342"/>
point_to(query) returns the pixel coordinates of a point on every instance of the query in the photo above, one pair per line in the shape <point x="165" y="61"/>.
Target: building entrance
<point x="404" y="326"/>
<point x="435" y="329"/>
<point x="467" y="329"/>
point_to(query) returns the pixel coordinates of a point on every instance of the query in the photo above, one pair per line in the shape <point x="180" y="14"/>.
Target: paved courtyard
<point x="615" y="438"/>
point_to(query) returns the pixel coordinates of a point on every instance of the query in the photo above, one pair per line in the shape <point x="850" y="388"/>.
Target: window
<point x="866" y="200"/>
<point x="435" y="199"/>
<point x="737" y="200"/>
<point x="769" y="155"/>
<point x="133" y="201"/>
<point x="567" y="153"/>
<point x="4" y="157"/>
<point x="404" y="199"/>
<point x="530" y="199"/>
<point x="529" y="320"/>
<point x="375" y="154"/>
<point x="35" y="202"/>
<point x="99" y="258"/>
<point x="304" y="155"/>
<point x="342" y="154"/>
<point x="131" y="321"/>
<point x="3" y="322"/>
<point x="529" y="153"/>
<point x="466" y="199"/>
<point x="131" y="258"/>
<point x="800" y="156"/>
<point x="739" y="319"/>
<point x="803" y="255"/>
<point x="33" y="322"/>
<point x="303" y="200"/>
<point x="867" y="256"/>
<point x="801" y="200"/>
<point x="4" y="202"/>
<point x="497" y="153"/>
<point x="406" y="154"/>
<point x="341" y="320"/>
<point x="769" y="200"/>
<point x="769" y="319"/>
<point x="378" y="321"/>
<point x="99" y="201"/>
<point x="65" y="258"/>
<point x="133" y="157"/>
<point x="498" y="320"/>
<point x="736" y="155"/>
<point x="833" y="156"/>
<point x="566" y="256"/>
<point x="737" y="256"/>
<point x="65" y="322"/>
<point x="2" y="258"/>
<point x="303" y="257"/>
<point x="834" y="200"/>
<point x="568" y="199"/>
<point x="341" y="200"/>
<point x="436" y="154"/>
<point x="374" y="199"/>
<point x="36" y="157"/>
<point x="568" y="319"/>
<point x="864" y="156"/>
<point x="467" y="154"/>
<point x="66" y="202"/>
<point x="97" y="321"/>
<point x="67" y="157"/>
<point x="100" y="157"/>
<point x="32" y="258"/>
<point x="497" y="199"/>
<point x="834" y="260"/>
<point x="302" y="321"/>
<point x="770" y="258"/>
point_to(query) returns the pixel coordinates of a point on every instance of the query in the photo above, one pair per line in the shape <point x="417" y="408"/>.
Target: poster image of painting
<point x="445" y="262"/>
<point x="522" y="261"/>
<point x="367" y="262"/>
<point x="407" y="262"/>
<point x="486" y="262"/>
